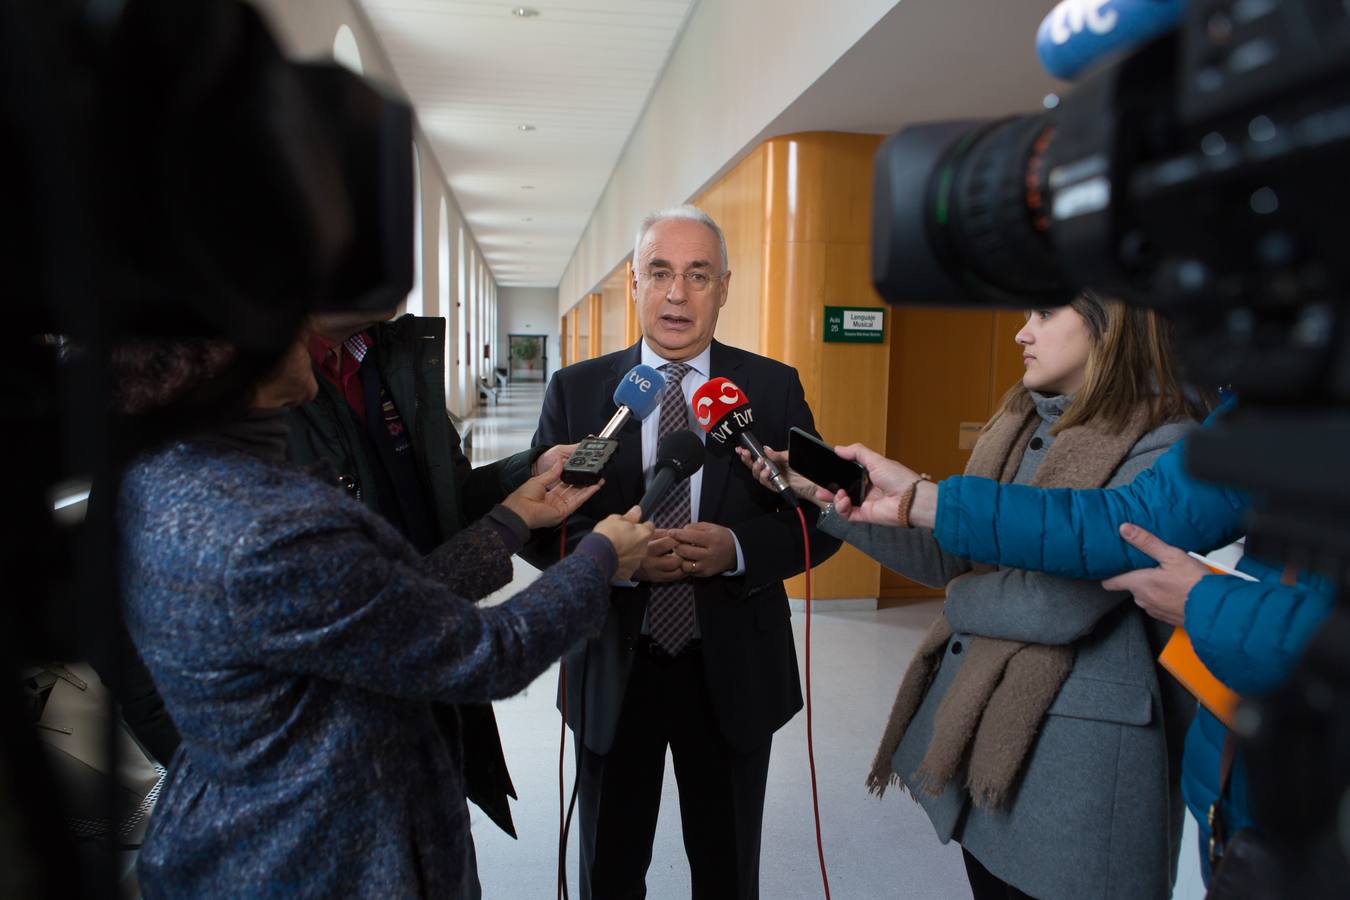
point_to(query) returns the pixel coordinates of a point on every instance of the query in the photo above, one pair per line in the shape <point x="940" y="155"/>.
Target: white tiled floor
<point x="874" y="849"/>
<point x="506" y="427"/>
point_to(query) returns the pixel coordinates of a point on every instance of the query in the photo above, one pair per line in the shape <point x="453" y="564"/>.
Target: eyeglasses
<point x="664" y="279"/>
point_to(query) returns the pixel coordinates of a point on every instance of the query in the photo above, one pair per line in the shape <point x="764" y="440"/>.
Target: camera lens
<point x="959" y="215"/>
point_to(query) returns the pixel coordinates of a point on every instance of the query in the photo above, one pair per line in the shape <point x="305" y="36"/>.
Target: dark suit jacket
<point x="410" y="354"/>
<point x="749" y="656"/>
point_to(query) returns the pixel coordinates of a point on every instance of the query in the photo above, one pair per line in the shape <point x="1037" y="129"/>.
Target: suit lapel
<point x="717" y="464"/>
<point x="625" y="468"/>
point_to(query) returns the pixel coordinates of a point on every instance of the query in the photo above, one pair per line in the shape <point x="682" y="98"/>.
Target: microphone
<point x="1078" y="33"/>
<point x="679" y="455"/>
<point x="638" y="394"/>
<point x="723" y="411"/>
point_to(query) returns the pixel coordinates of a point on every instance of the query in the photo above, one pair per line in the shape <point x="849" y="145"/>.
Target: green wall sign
<point x="855" y="325"/>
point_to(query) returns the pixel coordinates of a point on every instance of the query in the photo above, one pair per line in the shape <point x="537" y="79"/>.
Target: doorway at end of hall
<point x="529" y="357"/>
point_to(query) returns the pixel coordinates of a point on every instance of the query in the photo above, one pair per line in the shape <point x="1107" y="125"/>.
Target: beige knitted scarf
<point x="993" y="710"/>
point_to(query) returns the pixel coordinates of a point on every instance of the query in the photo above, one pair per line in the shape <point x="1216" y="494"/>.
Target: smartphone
<point x="810" y="456"/>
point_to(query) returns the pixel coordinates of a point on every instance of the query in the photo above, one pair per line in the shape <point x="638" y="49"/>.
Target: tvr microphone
<point x="723" y="411"/>
<point x="679" y="455"/>
<point x="638" y="394"/>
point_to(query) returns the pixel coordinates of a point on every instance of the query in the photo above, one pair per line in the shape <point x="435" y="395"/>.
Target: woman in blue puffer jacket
<point x="1249" y="634"/>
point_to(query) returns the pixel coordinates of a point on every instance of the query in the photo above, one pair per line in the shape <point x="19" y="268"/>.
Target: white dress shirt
<point x="697" y="376"/>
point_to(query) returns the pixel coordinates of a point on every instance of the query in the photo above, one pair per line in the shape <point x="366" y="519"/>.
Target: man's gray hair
<point x="688" y="213"/>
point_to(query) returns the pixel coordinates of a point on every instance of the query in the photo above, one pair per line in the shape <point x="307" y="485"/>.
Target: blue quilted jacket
<point x="299" y="643"/>
<point x="1249" y="634"/>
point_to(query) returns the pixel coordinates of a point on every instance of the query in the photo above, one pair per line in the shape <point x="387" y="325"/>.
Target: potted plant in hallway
<point x="526" y="353"/>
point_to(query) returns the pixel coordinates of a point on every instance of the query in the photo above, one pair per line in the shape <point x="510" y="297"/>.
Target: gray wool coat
<point x="1097" y="812"/>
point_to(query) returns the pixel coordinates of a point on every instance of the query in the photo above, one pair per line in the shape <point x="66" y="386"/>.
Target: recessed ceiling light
<point x="527" y="219"/>
<point x="525" y="128"/>
<point x="524" y="12"/>
<point x="527" y="187"/>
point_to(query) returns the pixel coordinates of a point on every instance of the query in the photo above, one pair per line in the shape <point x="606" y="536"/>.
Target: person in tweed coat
<point x="300" y="642"/>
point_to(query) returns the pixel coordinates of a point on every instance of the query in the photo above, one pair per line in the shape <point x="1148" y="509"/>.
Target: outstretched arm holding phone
<point x="910" y="551"/>
<point x="1071" y="533"/>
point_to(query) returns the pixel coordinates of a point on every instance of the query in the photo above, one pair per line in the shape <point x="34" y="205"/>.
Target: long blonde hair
<point x="1130" y="363"/>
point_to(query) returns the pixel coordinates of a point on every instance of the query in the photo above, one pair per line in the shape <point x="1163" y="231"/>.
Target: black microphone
<point x="679" y="455"/>
<point x="723" y="411"/>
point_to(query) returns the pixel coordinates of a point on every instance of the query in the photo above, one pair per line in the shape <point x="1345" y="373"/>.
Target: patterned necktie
<point x="671" y="609"/>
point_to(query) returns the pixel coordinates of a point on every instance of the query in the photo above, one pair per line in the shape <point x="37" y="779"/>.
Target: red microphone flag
<point x="722" y="409"/>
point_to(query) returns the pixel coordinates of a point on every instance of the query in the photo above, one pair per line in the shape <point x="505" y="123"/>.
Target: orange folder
<point x="1179" y="658"/>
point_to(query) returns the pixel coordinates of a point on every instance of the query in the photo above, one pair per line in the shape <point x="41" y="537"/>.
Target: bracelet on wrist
<point x="907" y="501"/>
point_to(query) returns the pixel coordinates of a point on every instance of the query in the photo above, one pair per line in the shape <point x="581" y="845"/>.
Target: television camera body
<point x="170" y="175"/>
<point x="1203" y="174"/>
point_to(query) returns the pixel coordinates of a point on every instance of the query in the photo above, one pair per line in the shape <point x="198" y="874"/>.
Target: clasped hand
<point x="698" y="550"/>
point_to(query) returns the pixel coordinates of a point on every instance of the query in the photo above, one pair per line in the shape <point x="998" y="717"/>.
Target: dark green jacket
<point x="410" y="354"/>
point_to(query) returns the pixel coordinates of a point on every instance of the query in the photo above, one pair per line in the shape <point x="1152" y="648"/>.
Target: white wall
<point x="528" y="311"/>
<point x="736" y="67"/>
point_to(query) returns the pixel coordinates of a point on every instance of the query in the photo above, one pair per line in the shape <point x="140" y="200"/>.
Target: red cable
<point x="562" y="751"/>
<point x="562" y="744"/>
<point x="810" y="741"/>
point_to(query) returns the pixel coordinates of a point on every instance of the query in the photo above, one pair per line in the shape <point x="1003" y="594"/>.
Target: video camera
<point x="169" y="175"/>
<point x="1205" y="175"/>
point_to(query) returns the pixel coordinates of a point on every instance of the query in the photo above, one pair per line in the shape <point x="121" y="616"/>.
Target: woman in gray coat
<point x="1033" y="724"/>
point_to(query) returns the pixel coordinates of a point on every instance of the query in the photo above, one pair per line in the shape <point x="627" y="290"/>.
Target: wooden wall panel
<point x="564" y="341"/>
<point x="940" y="377"/>
<point x="632" y="328"/>
<point x="595" y="329"/>
<point x="817" y="212"/>
<point x="576" y="326"/>
<point x="1007" y="368"/>
<point x="853" y="378"/>
<point x="613" y="302"/>
<point x="736" y="203"/>
<point x="947" y="367"/>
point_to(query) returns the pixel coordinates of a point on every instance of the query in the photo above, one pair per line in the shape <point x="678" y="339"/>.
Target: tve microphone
<point x="638" y="393"/>
<point x="723" y="410"/>
<point x="1078" y="33"/>
<point x="679" y="455"/>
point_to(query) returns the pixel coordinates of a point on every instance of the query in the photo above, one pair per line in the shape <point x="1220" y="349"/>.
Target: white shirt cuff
<point x="740" y="557"/>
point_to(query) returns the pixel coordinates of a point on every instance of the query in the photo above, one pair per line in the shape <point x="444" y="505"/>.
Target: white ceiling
<point x="580" y="74"/>
<point x="926" y="60"/>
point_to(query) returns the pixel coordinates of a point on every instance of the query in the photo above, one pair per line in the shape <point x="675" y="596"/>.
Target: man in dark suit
<point x="379" y="421"/>
<point x="697" y="653"/>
